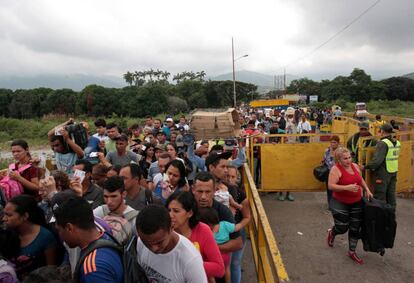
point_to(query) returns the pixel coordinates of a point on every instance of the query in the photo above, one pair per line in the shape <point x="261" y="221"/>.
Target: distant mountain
<point x="76" y="82"/>
<point x="410" y="76"/>
<point x="264" y="82"/>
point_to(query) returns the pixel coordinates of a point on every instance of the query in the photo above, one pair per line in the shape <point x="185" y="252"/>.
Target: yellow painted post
<point x="264" y="232"/>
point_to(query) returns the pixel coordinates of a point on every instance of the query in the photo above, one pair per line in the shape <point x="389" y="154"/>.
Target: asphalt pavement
<point x="300" y="228"/>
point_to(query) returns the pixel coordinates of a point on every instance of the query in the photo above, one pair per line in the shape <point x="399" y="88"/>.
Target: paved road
<point x="308" y="258"/>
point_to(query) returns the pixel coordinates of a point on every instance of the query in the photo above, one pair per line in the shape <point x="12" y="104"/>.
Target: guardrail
<point x="267" y="257"/>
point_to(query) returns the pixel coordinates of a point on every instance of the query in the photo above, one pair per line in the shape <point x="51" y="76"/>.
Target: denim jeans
<point x="236" y="260"/>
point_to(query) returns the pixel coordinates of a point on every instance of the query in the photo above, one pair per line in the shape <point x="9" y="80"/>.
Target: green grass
<point x="34" y="131"/>
<point x="385" y="107"/>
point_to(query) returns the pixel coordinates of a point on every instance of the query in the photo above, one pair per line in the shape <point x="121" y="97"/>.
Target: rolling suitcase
<point x="379" y="226"/>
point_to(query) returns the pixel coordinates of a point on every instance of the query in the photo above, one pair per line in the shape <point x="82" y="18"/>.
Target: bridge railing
<point x="266" y="255"/>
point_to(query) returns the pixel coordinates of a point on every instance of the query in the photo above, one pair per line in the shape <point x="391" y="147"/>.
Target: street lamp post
<point x="234" y="73"/>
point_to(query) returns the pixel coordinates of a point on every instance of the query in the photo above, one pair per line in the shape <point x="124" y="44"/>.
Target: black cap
<point x="387" y="128"/>
<point x="60" y="197"/>
<point x="214" y="156"/>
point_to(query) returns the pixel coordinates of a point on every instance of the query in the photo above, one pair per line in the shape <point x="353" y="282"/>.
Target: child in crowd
<point x="221" y="231"/>
<point x="223" y="196"/>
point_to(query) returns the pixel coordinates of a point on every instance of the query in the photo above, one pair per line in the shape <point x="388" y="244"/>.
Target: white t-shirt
<point x="182" y="264"/>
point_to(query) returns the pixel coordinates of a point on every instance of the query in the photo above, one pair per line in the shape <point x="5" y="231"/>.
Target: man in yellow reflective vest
<point x="384" y="165"/>
<point x="352" y="143"/>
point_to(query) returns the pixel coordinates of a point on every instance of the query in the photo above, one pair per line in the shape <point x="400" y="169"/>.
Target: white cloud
<point x="103" y="37"/>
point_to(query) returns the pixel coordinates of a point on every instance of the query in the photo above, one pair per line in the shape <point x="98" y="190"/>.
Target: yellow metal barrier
<point x="405" y="175"/>
<point x="267" y="257"/>
<point x="288" y="166"/>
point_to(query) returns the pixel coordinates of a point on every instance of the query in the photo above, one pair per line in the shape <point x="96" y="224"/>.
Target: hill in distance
<point x="410" y="76"/>
<point x="264" y="82"/>
<point x="76" y="82"/>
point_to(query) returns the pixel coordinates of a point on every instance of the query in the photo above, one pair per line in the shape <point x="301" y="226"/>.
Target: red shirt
<point x="29" y="174"/>
<point x="347" y="178"/>
<point x="203" y="239"/>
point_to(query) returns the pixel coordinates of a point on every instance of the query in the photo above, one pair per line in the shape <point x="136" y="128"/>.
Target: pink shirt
<point x="203" y="239"/>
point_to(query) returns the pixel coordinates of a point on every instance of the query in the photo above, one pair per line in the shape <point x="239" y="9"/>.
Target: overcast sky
<point x="103" y="37"/>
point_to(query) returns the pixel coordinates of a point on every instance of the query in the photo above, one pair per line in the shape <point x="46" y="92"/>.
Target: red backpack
<point x="10" y="187"/>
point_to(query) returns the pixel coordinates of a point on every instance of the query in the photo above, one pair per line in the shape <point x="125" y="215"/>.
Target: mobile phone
<point x="93" y="154"/>
<point x="80" y="174"/>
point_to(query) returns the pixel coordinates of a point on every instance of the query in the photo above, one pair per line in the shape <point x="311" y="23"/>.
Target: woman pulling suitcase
<point x="346" y="182"/>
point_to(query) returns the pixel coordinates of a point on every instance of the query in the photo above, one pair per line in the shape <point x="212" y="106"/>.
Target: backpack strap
<point x="131" y="215"/>
<point x="99" y="243"/>
<point x="12" y="167"/>
<point x="148" y="197"/>
<point x="105" y="210"/>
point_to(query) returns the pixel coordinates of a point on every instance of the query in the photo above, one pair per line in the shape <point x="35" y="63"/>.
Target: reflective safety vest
<point x="391" y="159"/>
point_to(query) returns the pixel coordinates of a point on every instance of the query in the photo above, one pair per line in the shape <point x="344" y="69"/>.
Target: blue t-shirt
<point x="223" y="234"/>
<point x="33" y="256"/>
<point x="65" y="161"/>
<point x="102" y="265"/>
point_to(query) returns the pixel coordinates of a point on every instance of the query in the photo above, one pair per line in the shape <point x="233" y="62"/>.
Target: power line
<point x="336" y="34"/>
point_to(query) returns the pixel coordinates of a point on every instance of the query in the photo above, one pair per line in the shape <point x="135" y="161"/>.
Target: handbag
<point x="321" y="172"/>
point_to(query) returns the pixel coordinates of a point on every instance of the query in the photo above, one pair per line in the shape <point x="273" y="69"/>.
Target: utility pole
<point x="234" y="74"/>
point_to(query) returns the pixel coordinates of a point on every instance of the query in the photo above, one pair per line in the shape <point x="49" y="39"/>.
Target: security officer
<point x="352" y="143"/>
<point x="384" y="165"/>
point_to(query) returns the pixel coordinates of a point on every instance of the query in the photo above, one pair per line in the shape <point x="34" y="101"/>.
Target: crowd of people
<point x="179" y="205"/>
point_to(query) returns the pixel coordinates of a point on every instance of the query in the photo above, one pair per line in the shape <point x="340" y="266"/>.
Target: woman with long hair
<point x="37" y="243"/>
<point x="148" y="158"/>
<point x="172" y="151"/>
<point x="23" y="171"/>
<point x="347" y="184"/>
<point x="174" y="180"/>
<point x="186" y="222"/>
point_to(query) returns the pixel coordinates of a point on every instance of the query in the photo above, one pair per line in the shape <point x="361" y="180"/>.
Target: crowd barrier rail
<point x="288" y="165"/>
<point x="267" y="258"/>
<point x="405" y="175"/>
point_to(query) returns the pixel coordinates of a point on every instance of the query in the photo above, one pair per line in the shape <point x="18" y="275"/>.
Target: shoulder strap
<point x="105" y="210"/>
<point x="12" y="166"/>
<point x="22" y="168"/>
<point x="100" y="243"/>
<point x="131" y="215"/>
<point x="148" y="197"/>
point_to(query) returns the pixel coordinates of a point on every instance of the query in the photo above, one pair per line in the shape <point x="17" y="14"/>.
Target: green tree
<point x="399" y="88"/>
<point x="335" y="89"/>
<point x="304" y="86"/>
<point x="129" y="77"/>
<point x="360" y="89"/>
<point x="5" y="100"/>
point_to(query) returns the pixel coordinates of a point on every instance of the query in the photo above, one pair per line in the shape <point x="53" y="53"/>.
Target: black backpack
<point x="78" y="134"/>
<point x="133" y="272"/>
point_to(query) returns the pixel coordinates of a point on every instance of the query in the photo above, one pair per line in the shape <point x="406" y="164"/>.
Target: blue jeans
<point x="236" y="260"/>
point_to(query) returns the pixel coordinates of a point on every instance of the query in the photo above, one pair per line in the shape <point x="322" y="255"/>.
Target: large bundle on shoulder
<point x="215" y="124"/>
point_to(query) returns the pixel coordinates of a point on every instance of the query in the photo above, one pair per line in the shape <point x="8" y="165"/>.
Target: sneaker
<point x="290" y="197"/>
<point x="330" y="238"/>
<point x="355" y="258"/>
<point x="281" y="197"/>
